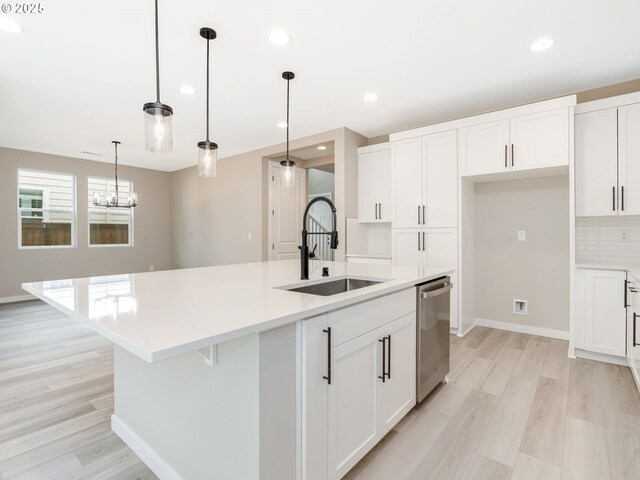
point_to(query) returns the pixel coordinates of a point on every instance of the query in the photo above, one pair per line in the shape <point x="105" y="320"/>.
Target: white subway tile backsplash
<point x="368" y="238"/>
<point x="599" y="239"/>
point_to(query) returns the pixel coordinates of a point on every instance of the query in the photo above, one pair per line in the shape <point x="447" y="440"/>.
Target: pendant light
<point x="111" y="201"/>
<point x="288" y="165"/>
<point x="158" y="136"/>
<point x="207" y="150"/>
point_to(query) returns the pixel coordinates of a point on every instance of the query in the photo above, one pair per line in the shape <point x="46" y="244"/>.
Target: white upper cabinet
<point x="629" y="159"/>
<point x="525" y="142"/>
<point x="425" y="181"/>
<point x="596" y="140"/>
<point x="374" y="178"/>
<point x="406" y="162"/>
<point x="607" y="166"/>
<point x="540" y="140"/>
<point x="484" y="148"/>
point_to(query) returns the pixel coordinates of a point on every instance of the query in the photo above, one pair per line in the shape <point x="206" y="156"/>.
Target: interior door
<point x="540" y="140"/>
<point x="596" y="139"/>
<point x="352" y="402"/>
<point x="397" y="395"/>
<point x="406" y="161"/>
<point x="286" y="207"/>
<point x="629" y="159"/>
<point x="483" y="148"/>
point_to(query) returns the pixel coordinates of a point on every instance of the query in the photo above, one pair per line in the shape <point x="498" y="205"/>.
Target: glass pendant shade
<point x="158" y="136"/>
<point x="207" y="159"/>
<point x="288" y="173"/>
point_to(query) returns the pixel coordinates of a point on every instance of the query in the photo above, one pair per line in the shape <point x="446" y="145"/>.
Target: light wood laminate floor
<point x="516" y="408"/>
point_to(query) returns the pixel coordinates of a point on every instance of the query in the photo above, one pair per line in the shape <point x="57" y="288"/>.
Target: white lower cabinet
<point x="603" y="317"/>
<point x="369" y="387"/>
<point x="633" y="328"/>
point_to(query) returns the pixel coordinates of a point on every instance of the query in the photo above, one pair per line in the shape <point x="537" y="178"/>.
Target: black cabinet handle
<point x="328" y="376"/>
<point x="418" y="241"/>
<point x="389" y="358"/>
<point x="626" y="286"/>
<point x="418" y="214"/>
<point x="379" y="211"/>
<point x="505" y="156"/>
<point x="424" y="243"/>
<point x="423" y="209"/>
<point x="384" y="359"/>
<point x="614" y="198"/>
<point x="622" y="197"/>
<point x="512" y="157"/>
<point x="635" y="320"/>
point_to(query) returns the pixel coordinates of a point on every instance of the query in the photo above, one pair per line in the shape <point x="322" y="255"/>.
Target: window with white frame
<point x="109" y="226"/>
<point x="46" y="209"/>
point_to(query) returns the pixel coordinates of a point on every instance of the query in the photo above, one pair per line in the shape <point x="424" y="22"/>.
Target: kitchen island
<point x="224" y="372"/>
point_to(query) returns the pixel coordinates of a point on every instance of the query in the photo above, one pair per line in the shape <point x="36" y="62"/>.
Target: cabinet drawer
<point x="356" y="320"/>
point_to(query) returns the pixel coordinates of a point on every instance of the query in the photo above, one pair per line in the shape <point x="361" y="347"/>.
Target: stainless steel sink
<point x="334" y="287"/>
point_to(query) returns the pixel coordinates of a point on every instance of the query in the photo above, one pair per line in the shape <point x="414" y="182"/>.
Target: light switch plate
<point x="522" y="235"/>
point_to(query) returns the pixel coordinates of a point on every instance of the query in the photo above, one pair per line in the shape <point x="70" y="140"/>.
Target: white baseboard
<point x="144" y="451"/>
<point x="17" y="298"/>
<point x="462" y="334"/>
<point x="602" y="357"/>
<point x="514" y="327"/>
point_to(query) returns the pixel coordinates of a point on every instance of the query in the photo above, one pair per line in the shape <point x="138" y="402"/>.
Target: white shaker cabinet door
<point x="315" y="341"/>
<point x="397" y="394"/>
<point x="539" y="140"/>
<point x="605" y="312"/>
<point x="384" y="181"/>
<point x="633" y="329"/>
<point x="484" y="148"/>
<point x="596" y="152"/>
<point x="440" y="178"/>
<point x="629" y="159"/>
<point x="352" y="401"/>
<point x="406" y="162"/>
<point x="368" y="186"/>
<point x="407" y="246"/>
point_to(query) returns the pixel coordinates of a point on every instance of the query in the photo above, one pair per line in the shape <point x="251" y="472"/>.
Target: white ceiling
<point x="77" y="77"/>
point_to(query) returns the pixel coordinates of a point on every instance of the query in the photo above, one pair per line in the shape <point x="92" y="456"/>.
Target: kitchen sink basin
<point x="335" y="286"/>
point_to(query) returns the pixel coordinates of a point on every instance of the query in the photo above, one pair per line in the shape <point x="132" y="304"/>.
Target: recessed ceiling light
<point x="278" y="37"/>
<point x="9" y="25"/>
<point x="542" y="44"/>
<point x="370" y="97"/>
<point x="187" y="89"/>
<point x="282" y="124"/>
<point x="321" y="147"/>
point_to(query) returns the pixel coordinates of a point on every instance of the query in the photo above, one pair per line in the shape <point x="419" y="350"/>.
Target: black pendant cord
<point x="208" y="41"/>
<point x="288" y="80"/>
<point x="157" y="58"/>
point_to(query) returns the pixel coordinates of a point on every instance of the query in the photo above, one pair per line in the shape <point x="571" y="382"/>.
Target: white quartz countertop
<point x="159" y="315"/>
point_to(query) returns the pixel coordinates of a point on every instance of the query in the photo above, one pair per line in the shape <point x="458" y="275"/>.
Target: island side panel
<point x="279" y="399"/>
<point x="188" y="420"/>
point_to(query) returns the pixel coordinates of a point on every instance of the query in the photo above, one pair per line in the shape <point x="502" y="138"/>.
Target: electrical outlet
<point x="249" y="236"/>
<point x="522" y="235"/>
<point x="625" y="235"/>
<point x="152" y="268"/>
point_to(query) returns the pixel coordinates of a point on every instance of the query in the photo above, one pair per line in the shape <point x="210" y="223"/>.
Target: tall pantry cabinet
<point x="424" y="176"/>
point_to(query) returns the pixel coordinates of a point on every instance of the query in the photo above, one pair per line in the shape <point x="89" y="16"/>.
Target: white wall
<point x="152" y="225"/>
<point x="537" y="269"/>
<point x="212" y="217"/>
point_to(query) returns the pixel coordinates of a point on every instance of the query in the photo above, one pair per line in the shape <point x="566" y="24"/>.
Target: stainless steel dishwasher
<point x="432" y="336"/>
